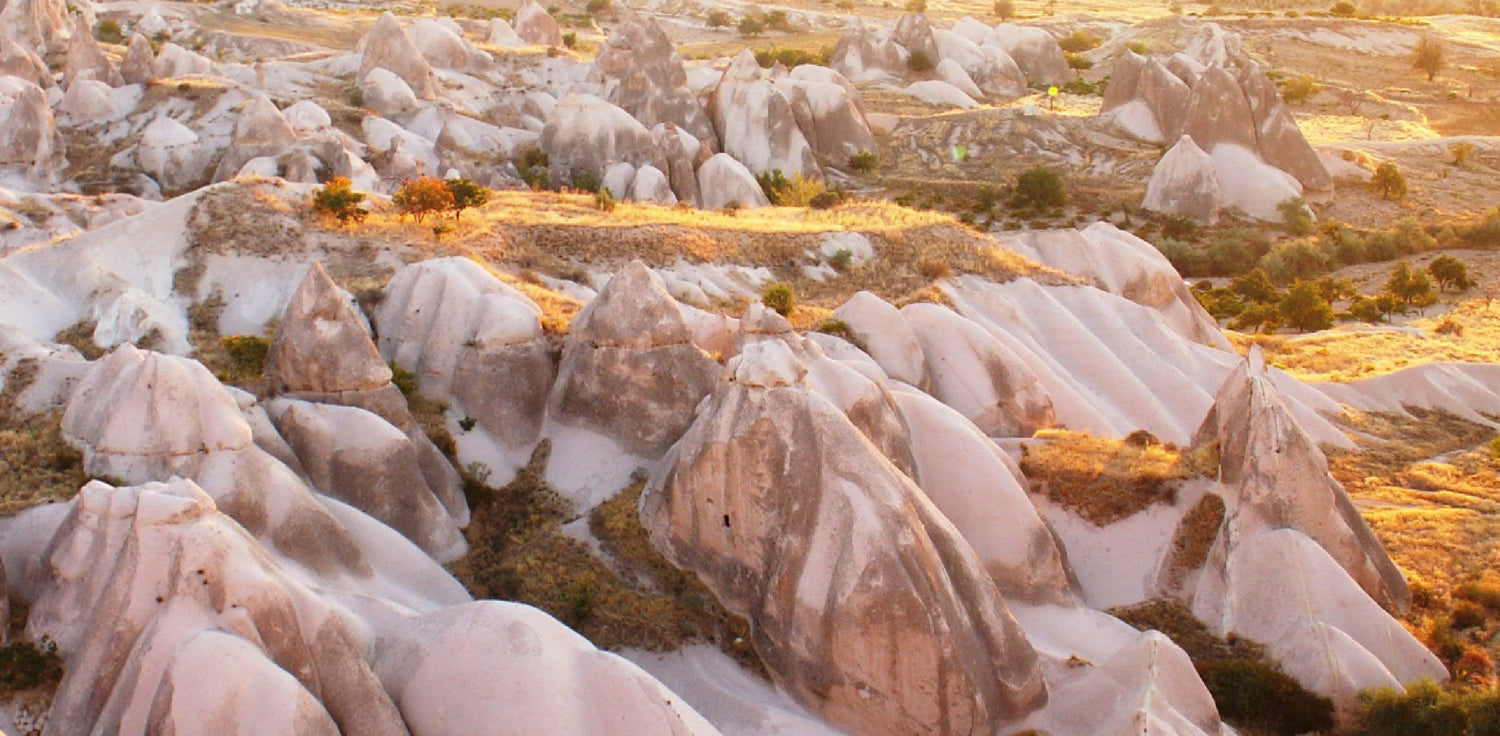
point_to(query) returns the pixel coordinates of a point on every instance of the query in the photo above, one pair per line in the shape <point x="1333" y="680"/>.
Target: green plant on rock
<point x="863" y="162"/>
<point x="780" y="298"/>
<point x="338" y="199"/>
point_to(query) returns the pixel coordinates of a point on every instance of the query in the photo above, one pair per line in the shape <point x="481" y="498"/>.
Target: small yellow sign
<point x="1052" y="91"/>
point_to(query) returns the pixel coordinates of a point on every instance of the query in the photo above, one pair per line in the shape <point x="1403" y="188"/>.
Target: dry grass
<point x="36" y="465"/>
<point x="1104" y="480"/>
<point x="557" y="233"/>
<point x="1176" y="620"/>
<point x="1195" y="535"/>
<point x="1346" y="355"/>
<point x="519" y="552"/>
<point x="80" y="335"/>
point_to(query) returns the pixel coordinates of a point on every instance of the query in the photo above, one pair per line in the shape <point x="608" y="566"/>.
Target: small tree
<point x="1450" y="273"/>
<point x="780" y="298"/>
<point x="1305" y="308"/>
<point x="776" y="20"/>
<point x="1255" y="286"/>
<point x="1342" y="9"/>
<point x="338" y="199"/>
<point x="1389" y="181"/>
<point x="1429" y="57"/>
<point x="466" y="194"/>
<point x="864" y="162"/>
<point x="1039" y="188"/>
<point x="1006" y="9"/>
<point x="422" y="197"/>
<point x="1256" y="317"/>
<point x="1413" y="288"/>
<point x="718" y="19"/>
<point x="1295" y="215"/>
<point x="1078" y="42"/>
<point x="751" y="26"/>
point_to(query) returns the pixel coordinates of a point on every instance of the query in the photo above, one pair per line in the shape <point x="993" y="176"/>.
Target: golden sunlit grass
<point x="558" y="233"/>
<point x="1346" y="354"/>
<point x="36" y="465"/>
<point x="1105" y="480"/>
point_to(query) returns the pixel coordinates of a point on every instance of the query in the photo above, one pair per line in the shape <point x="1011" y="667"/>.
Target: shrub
<point x="1343" y="9"/>
<point x="422" y="197"/>
<point x="776" y="20"/>
<point x="918" y="62"/>
<point x="1081" y="86"/>
<point x="1039" y="188"/>
<point x="1257" y="695"/>
<point x="1486" y="594"/>
<point x="1305" y="308"/>
<point x="1429" y="57"/>
<point x="1300" y="89"/>
<point x="1295" y="215"/>
<point x="1466" y="615"/>
<point x="836" y="327"/>
<point x="1293" y="259"/>
<point x="1450" y="273"/>
<point x="1139" y="47"/>
<point x="825" y="200"/>
<point x="604" y="200"/>
<point x="1485" y="233"/>
<point x="1255" y="286"/>
<point x="570" y="39"/>
<point x="789" y="58"/>
<point x="916" y="6"/>
<point x="751" y="26"/>
<point x="1256" y="317"/>
<point x="933" y="269"/>
<point x="1389" y="181"/>
<point x="864" y="162"/>
<point x="1078" y="62"/>
<point x="1005" y="9"/>
<point x="338" y="199"/>
<point x="1180" y="227"/>
<point x="780" y="298"/>
<point x="532" y="166"/>
<point x="595" y="7"/>
<point x="403" y="379"/>
<point x="798" y="191"/>
<point x="466" y="194"/>
<point x="24" y="665"/>
<point x="1413" y="288"/>
<point x="247" y="354"/>
<point x="718" y="19"/>
<point x="1078" y="42"/>
<point x="1461" y="152"/>
<point x="107" y="30"/>
<point x="1366" y="309"/>
<point x="1425" y="709"/>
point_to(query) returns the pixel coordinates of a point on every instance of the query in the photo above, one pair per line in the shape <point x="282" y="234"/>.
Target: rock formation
<point x="1185" y="183"/>
<point x="324" y="354"/>
<point x="646" y="78"/>
<point x="458" y="329"/>
<point x="85" y="60"/>
<point x="387" y="46"/>
<point x="18" y="60"/>
<point x="863" y="55"/>
<point x="756" y="123"/>
<point x="828" y="113"/>
<point x="586" y="135"/>
<point x="139" y="65"/>
<point x="1035" y="51"/>
<point x="630" y="370"/>
<point x="29" y="136"/>
<point x="535" y="26"/>
<point x="770" y="497"/>
<point x="1145" y="99"/>
<point x="723" y="181"/>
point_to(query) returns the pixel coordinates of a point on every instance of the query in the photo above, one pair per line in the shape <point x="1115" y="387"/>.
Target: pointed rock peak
<point x="762" y="320"/>
<point x="766" y="364"/>
<point x="744" y="67"/>
<point x="385" y="26"/>
<point x="1257" y="361"/>
<point x="633" y="310"/>
<point x="261" y="123"/>
<point x="323" y="345"/>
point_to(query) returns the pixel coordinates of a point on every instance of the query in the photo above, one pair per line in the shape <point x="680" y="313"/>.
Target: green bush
<point x="1255" y="317"/>
<point x="836" y="327"/>
<point x="1485" y="594"/>
<point x="825" y="200"/>
<point x="1300" y="89"/>
<point x="24" y="665"/>
<point x="797" y="191"/>
<point x="1450" y="273"/>
<point x="1078" y="42"/>
<point x="789" y="58"/>
<point x="108" y="31"/>
<point x="1412" y="287"/>
<point x="1039" y="188"/>
<point x="916" y="6"/>
<point x="338" y="199"/>
<point x="422" y="196"/>
<point x="918" y="62"/>
<point x="1255" y="286"/>
<point x="718" y="19"/>
<point x="751" y="26"/>
<point x="864" y="162"/>
<point x="570" y="39"/>
<point x="466" y="195"/>
<point x="247" y="354"/>
<point x="1188" y="260"/>
<point x="532" y="166"/>
<point x="1293" y="259"/>
<point x="1081" y="86"/>
<point x="1305" y="308"/>
<point x="1257" y="695"/>
<point x="1295" y="215"/>
<point x="1388" y="181"/>
<point x="1425" y="709"/>
<point x="604" y="200"/>
<point x="1078" y="62"/>
<point x="780" y="298"/>
<point x="1467" y="615"/>
<point x="405" y="380"/>
<point x="1343" y="9"/>
<point x="1005" y="9"/>
<point x="1486" y="232"/>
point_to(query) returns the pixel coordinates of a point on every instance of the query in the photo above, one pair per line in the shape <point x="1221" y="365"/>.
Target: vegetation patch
<point x="1104" y="480"/>
<point x="1195" y="535"/>
<point x="80" y="336"/>
<point x="1251" y="691"/>
<point x="36" y="464"/>
<point x="638" y="599"/>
